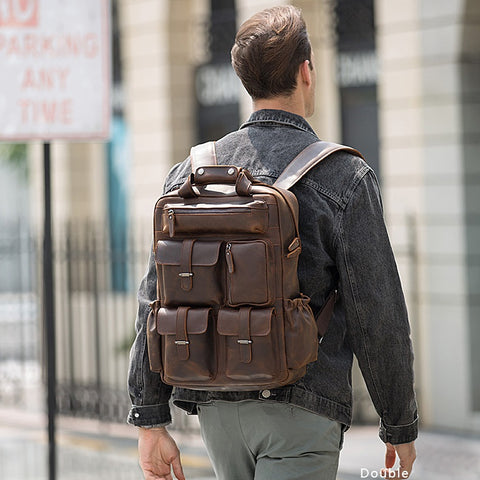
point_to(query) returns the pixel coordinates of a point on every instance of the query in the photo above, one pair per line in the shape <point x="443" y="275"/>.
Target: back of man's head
<point x="268" y="50"/>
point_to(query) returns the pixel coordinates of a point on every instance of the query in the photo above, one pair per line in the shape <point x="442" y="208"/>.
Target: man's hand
<point x="406" y="453"/>
<point x="158" y="453"/>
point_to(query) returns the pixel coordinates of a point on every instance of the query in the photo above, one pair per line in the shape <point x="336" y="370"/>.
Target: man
<point x="296" y="432"/>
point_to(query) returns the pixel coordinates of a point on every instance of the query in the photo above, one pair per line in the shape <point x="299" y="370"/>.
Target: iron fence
<point x="95" y="307"/>
<point x="95" y="311"/>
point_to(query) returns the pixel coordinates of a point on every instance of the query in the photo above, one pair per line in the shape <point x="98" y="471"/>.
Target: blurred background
<point x="400" y="81"/>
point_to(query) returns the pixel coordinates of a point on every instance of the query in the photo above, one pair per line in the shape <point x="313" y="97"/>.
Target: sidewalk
<point x="86" y="449"/>
<point x="89" y="449"/>
<point x="440" y="456"/>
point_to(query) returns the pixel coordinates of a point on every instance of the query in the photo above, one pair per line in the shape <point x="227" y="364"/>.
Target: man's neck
<point x="288" y="104"/>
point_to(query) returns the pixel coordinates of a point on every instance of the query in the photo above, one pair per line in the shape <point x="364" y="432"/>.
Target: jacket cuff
<point x="397" y="434"/>
<point x="150" y="415"/>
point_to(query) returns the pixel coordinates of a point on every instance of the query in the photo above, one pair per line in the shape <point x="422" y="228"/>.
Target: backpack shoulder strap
<point x="203" y="154"/>
<point x="299" y="166"/>
<point x="307" y="159"/>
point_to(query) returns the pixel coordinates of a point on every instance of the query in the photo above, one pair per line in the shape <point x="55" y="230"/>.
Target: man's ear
<point x="306" y="73"/>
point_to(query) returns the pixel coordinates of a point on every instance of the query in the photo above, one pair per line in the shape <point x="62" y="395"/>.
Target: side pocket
<point x="301" y="333"/>
<point x="188" y="350"/>
<point x="154" y="340"/>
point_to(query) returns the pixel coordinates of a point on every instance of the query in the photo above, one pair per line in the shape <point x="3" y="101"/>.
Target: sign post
<point x="55" y="84"/>
<point x="49" y="315"/>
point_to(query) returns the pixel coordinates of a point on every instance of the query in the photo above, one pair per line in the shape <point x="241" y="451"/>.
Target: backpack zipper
<point x="171" y="222"/>
<point x="229" y="258"/>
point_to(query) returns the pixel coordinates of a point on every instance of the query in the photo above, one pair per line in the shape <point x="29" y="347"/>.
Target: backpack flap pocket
<point x="189" y="272"/>
<point x="187" y="346"/>
<point x="249" y="344"/>
<point x="301" y="333"/>
<point x="249" y="273"/>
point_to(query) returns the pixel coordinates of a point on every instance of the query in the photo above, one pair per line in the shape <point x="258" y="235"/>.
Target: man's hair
<point x="268" y="50"/>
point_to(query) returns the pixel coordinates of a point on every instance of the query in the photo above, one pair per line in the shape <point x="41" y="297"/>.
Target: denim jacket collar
<point x="268" y="117"/>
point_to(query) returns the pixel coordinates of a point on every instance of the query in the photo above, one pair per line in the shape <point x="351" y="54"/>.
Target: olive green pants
<point x="260" y="440"/>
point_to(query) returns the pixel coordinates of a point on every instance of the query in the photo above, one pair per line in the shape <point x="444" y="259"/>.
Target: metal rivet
<point x="200" y="171"/>
<point x="231" y="171"/>
<point x="136" y="415"/>
<point x="266" y="393"/>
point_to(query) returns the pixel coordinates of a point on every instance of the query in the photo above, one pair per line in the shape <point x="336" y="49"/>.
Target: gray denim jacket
<point x="344" y="245"/>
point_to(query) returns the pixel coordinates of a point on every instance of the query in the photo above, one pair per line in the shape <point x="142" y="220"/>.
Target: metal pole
<point x="49" y="315"/>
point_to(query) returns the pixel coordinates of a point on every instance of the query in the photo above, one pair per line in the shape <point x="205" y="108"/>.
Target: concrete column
<point x="422" y="154"/>
<point x="319" y="18"/>
<point x="470" y="98"/>
<point x="160" y="40"/>
<point x="145" y="48"/>
<point x="184" y="32"/>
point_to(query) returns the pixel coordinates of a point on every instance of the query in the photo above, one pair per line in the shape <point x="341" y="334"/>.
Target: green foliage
<point x="15" y="155"/>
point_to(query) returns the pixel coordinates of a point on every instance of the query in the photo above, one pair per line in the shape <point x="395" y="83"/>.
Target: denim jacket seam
<point x="337" y="228"/>
<point x="273" y="174"/>
<point x="329" y="195"/>
<point x="358" y="177"/>
<point x="269" y="122"/>
<point x="141" y="380"/>
<point x="143" y="354"/>
<point x="147" y="416"/>
<point x="353" y="288"/>
<point x="172" y="188"/>
<point x="361" y="328"/>
<point x="322" y="190"/>
<point x="153" y="405"/>
<point x="137" y="390"/>
<point x="386" y="425"/>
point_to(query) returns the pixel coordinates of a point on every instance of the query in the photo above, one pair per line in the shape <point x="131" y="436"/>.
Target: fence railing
<point x="95" y="307"/>
<point x="95" y="312"/>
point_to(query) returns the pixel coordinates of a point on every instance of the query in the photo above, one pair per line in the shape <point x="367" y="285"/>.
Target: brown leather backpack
<point x="229" y="313"/>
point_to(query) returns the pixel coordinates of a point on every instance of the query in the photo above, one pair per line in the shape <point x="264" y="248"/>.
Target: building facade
<point x="398" y="80"/>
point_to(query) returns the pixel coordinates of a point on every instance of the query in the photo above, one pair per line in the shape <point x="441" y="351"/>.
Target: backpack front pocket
<point x="250" y="347"/>
<point x="188" y="348"/>
<point x="249" y="273"/>
<point x="189" y="272"/>
<point x="247" y="217"/>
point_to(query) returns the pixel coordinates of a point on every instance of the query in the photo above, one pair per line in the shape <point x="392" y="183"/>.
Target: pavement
<point x="89" y="449"/>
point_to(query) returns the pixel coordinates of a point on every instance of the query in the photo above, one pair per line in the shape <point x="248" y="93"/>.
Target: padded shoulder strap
<point x="203" y="154"/>
<point x="307" y="159"/>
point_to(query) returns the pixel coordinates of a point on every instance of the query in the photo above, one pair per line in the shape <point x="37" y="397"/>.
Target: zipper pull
<point x="171" y="222"/>
<point x="229" y="258"/>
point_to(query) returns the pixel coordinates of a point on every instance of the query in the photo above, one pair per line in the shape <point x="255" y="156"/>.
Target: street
<point x="88" y="449"/>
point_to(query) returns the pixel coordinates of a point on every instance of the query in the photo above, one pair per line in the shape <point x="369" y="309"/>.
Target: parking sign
<point x="54" y="69"/>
